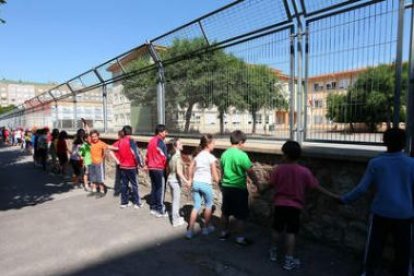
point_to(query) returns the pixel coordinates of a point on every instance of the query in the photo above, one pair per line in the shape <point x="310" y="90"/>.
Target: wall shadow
<point x="22" y="184"/>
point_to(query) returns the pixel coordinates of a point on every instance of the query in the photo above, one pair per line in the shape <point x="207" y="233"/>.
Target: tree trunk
<point x="351" y="126"/>
<point x="188" y="114"/>
<point x="254" y="116"/>
<point x="221" y="118"/>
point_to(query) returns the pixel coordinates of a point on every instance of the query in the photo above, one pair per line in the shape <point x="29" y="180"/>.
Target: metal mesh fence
<point x="244" y="67"/>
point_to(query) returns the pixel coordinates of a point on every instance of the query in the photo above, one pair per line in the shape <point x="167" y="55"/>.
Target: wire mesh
<point x="351" y="74"/>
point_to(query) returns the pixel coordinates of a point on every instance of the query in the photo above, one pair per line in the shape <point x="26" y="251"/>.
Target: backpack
<point x="42" y="142"/>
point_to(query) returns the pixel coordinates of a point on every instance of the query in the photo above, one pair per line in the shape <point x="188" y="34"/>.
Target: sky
<point x="56" y="40"/>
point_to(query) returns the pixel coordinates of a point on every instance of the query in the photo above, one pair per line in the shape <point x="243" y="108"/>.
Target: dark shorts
<point x="96" y="173"/>
<point x="286" y="218"/>
<point x="63" y="158"/>
<point x="235" y="203"/>
<point x="76" y="167"/>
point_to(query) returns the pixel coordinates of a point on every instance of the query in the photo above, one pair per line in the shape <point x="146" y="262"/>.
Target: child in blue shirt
<point x="391" y="174"/>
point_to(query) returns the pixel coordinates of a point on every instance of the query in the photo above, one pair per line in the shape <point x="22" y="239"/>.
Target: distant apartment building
<point x="17" y="92"/>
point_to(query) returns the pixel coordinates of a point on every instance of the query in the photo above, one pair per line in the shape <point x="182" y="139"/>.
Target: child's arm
<point x="181" y="174"/>
<point x="85" y="125"/>
<point x="112" y="148"/>
<point x="362" y="187"/>
<point x="191" y="173"/>
<point x="112" y="154"/>
<point x="327" y="193"/>
<point x="214" y="172"/>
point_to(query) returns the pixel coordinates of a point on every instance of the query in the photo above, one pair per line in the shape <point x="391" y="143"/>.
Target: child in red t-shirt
<point x="290" y="181"/>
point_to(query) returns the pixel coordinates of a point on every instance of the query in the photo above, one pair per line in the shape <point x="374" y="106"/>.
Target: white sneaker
<point x="273" y="254"/>
<point x="138" y="206"/>
<point x="179" y="222"/>
<point x="207" y="230"/>
<point x="123" y="206"/>
<point x="291" y="263"/>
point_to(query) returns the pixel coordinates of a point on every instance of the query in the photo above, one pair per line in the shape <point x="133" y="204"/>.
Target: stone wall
<point x="323" y="218"/>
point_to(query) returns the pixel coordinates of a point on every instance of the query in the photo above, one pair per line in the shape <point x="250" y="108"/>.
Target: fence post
<point x="105" y="108"/>
<point x="160" y="84"/>
<point x="292" y="85"/>
<point x="398" y="64"/>
<point x="410" y="93"/>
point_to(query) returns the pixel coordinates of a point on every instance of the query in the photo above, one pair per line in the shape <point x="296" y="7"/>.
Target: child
<point x="76" y="159"/>
<point x="42" y="148"/>
<point x="53" y="151"/>
<point x="391" y="174"/>
<point x="176" y="178"/>
<point x="117" y="186"/>
<point x="96" y="169"/>
<point x="203" y="172"/>
<point x="62" y="152"/>
<point x="290" y="181"/>
<point x="129" y="160"/>
<point x="85" y="153"/>
<point x="235" y="164"/>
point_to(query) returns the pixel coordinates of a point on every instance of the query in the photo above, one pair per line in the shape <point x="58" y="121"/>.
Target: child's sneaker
<point x="138" y="206"/>
<point x="290" y="263"/>
<point x="273" y="254"/>
<point x="207" y="230"/>
<point x="189" y="234"/>
<point x="179" y="222"/>
<point x="242" y="241"/>
<point x="224" y="236"/>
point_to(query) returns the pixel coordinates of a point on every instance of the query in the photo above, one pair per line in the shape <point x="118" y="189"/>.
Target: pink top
<point x="290" y="182"/>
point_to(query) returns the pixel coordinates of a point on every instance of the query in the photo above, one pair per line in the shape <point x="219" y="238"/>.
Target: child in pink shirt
<point x="290" y="181"/>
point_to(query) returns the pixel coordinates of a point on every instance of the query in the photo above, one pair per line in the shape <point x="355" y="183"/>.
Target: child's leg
<point x="290" y="244"/>
<point x="401" y="233"/>
<point x="377" y="234"/>
<point x="207" y="191"/>
<point x="196" y="207"/>
<point x="176" y="195"/>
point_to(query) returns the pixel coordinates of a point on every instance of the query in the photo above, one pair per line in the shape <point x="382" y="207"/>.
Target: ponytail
<point x="205" y="140"/>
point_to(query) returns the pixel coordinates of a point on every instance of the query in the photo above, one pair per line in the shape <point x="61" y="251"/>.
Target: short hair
<point x="160" y="128"/>
<point x="94" y="131"/>
<point x="237" y="137"/>
<point x="394" y="139"/>
<point x="292" y="150"/>
<point x="127" y="130"/>
<point x="63" y="135"/>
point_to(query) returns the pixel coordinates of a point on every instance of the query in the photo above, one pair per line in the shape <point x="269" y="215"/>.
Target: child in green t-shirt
<point x="235" y="165"/>
<point x="85" y="153"/>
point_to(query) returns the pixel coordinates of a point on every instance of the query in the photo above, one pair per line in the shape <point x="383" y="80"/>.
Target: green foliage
<point x="6" y="108"/>
<point x="2" y="2"/>
<point x="370" y="99"/>
<point x="208" y="79"/>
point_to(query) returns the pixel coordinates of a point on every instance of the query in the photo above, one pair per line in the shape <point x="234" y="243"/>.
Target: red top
<point x="62" y="147"/>
<point x="156" y="154"/>
<point x="290" y="182"/>
<point x="125" y="155"/>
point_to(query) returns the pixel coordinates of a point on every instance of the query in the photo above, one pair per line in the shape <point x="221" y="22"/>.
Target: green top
<point x="85" y="152"/>
<point x="235" y="163"/>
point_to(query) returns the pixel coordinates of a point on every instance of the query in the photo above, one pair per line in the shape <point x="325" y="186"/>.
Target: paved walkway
<point x="48" y="228"/>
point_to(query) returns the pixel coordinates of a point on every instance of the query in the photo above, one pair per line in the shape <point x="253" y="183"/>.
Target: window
<point x="317" y="87"/>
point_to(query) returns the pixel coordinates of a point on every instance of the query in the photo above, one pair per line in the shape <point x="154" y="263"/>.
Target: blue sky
<point x="55" y="40"/>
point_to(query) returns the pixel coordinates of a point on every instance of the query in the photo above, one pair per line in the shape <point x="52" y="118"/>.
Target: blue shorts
<point x="202" y="190"/>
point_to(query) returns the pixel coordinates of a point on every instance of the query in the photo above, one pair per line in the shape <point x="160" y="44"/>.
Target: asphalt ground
<point x="47" y="227"/>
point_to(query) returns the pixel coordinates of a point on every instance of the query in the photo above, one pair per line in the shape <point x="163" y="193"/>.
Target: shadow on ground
<point x="17" y="188"/>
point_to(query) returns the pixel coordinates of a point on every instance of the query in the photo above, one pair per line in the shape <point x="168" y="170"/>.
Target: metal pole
<point x="305" y="86"/>
<point x="105" y="108"/>
<point x="299" y="101"/>
<point x="398" y="64"/>
<point x="75" y="108"/>
<point x="410" y="94"/>
<point x="56" y="114"/>
<point x="160" y="85"/>
<point x="292" y="85"/>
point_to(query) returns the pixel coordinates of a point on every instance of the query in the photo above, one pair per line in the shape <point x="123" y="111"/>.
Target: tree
<point x="4" y="109"/>
<point x="212" y="78"/>
<point x="262" y="91"/>
<point x="370" y="99"/>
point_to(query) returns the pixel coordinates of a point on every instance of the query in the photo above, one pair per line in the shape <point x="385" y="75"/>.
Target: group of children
<point x="391" y="174"/>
